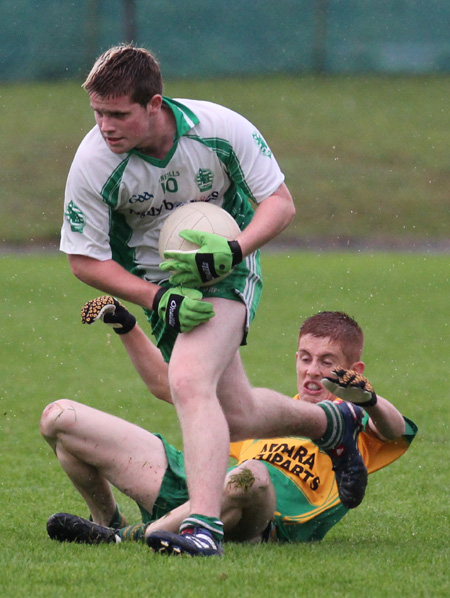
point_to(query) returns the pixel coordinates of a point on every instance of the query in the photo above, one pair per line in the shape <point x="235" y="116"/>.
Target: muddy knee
<point x="249" y="479"/>
<point x="56" y="417"/>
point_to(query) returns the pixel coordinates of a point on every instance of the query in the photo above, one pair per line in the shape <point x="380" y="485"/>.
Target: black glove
<point x="110" y="311"/>
<point x="181" y="308"/>
<point x="351" y="386"/>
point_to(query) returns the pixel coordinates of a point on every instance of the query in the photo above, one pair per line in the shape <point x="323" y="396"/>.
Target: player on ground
<point x="147" y="155"/>
<point x="283" y="489"/>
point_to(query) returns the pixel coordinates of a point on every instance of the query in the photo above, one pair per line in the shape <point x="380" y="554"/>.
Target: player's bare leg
<point x="248" y="504"/>
<point x="96" y="449"/>
<point x="198" y="361"/>
<point x="265" y="413"/>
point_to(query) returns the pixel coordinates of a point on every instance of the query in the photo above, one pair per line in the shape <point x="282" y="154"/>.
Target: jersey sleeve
<point x="85" y="229"/>
<point x="252" y="165"/>
<point x="378" y="453"/>
<point x="242" y="149"/>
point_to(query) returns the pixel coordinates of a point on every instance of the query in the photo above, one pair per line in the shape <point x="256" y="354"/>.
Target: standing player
<point x="147" y="155"/>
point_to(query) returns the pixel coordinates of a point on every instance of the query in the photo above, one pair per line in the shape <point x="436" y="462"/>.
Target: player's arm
<point x="145" y="357"/>
<point x="385" y="419"/>
<point x="350" y="385"/>
<point x="110" y="277"/>
<point x="218" y="255"/>
<point x="148" y="362"/>
<point x="181" y="309"/>
<point x="272" y="216"/>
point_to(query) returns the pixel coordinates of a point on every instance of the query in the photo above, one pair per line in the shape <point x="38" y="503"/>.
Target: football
<point x="196" y="215"/>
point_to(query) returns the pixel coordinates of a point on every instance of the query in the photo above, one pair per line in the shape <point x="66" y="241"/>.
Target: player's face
<point x="316" y="357"/>
<point x="123" y="123"/>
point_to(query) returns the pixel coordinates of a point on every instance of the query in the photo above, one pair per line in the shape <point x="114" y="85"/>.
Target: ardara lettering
<point x="284" y="448"/>
<point x="300" y="453"/>
<point x="294" y="469"/>
<point x="297" y="470"/>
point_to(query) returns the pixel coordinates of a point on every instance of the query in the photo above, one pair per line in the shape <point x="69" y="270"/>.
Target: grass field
<point x="396" y="544"/>
<point x="366" y="158"/>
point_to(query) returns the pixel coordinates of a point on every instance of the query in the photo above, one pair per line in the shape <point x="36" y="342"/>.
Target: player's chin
<point x="314" y="397"/>
<point x="118" y="146"/>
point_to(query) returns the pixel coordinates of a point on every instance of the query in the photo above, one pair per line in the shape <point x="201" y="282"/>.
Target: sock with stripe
<point x="133" y="533"/>
<point x="335" y="426"/>
<point x="212" y="524"/>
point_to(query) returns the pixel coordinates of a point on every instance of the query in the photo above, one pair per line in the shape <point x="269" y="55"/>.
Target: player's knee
<point x="54" y="417"/>
<point x="248" y="481"/>
<point x="186" y="387"/>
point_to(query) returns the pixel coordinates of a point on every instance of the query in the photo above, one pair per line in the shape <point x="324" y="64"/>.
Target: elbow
<point x="289" y="205"/>
<point x="289" y="214"/>
<point x="79" y="264"/>
<point x="160" y="389"/>
<point x="292" y="212"/>
<point x="75" y="265"/>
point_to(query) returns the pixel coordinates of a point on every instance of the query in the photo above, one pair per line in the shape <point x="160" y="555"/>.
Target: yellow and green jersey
<point x="308" y="503"/>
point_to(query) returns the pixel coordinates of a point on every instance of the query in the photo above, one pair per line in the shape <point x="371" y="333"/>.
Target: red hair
<point x="339" y="327"/>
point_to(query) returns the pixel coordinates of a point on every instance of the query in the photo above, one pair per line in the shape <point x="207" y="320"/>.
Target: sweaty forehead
<point x="320" y="345"/>
<point x="113" y="103"/>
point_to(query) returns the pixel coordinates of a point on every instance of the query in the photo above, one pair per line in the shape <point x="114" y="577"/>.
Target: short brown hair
<point x="339" y="327"/>
<point x="125" y="70"/>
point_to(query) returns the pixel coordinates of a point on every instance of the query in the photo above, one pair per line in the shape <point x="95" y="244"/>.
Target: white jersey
<point x="115" y="204"/>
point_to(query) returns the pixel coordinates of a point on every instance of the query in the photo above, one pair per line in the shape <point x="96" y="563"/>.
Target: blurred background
<point x="351" y="95"/>
<point x="57" y="39"/>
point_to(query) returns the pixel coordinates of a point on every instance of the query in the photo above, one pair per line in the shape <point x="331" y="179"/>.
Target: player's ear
<point x="358" y="366"/>
<point x="155" y="104"/>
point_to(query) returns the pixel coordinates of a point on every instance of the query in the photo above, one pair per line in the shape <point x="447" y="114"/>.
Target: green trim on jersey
<point x="120" y="234"/>
<point x="185" y="119"/>
<point x="156" y="161"/>
<point x="225" y="152"/>
<point x="236" y="198"/>
<point x="110" y="190"/>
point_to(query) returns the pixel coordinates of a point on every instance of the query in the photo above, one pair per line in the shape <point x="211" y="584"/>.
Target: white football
<point x="197" y="215"/>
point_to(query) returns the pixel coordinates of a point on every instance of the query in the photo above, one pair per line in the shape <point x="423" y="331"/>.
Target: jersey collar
<point x="185" y="119"/>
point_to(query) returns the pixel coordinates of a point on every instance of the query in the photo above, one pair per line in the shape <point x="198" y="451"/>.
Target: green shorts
<point x="243" y="284"/>
<point x="173" y="491"/>
<point x="290" y="500"/>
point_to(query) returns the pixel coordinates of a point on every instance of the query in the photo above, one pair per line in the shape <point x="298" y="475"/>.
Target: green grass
<point x="366" y="158"/>
<point x="396" y="544"/>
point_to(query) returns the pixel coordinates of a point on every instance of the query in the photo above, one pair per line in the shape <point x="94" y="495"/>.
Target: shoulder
<point x="214" y="117"/>
<point x="94" y="157"/>
<point x="93" y="148"/>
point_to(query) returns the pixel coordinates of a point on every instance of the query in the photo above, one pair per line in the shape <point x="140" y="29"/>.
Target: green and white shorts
<point x="243" y="284"/>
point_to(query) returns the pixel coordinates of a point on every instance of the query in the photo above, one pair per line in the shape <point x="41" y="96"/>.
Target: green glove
<point x="351" y="386"/>
<point x="110" y="311"/>
<point x="215" y="257"/>
<point x="182" y="309"/>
